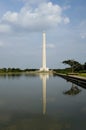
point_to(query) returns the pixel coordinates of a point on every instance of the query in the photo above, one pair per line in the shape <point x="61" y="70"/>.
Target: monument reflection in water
<point x="44" y="77"/>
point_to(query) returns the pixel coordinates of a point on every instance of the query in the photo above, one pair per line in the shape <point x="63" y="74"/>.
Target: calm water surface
<point x="41" y="102"/>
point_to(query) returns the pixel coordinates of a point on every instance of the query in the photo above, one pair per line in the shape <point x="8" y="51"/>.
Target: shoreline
<point x="81" y="81"/>
<point x="26" y="72"/>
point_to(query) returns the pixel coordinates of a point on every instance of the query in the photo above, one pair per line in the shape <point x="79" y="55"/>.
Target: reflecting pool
<point x="41" y="102"/>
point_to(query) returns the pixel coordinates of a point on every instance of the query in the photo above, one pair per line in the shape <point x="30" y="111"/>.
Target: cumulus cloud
<point x="45" y="16"/>
<point x="10" y="17"/>
<point x="66" y="20"/>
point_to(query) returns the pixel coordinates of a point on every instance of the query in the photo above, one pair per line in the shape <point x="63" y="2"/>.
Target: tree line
<point x="7" y="70"/>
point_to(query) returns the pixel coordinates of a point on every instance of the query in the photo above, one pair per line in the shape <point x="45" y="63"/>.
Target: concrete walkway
<point x="81" y="81"/>
<point x="79" y="77"/>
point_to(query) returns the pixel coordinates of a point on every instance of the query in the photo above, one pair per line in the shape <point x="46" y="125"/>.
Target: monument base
<point x="44" y="69"/>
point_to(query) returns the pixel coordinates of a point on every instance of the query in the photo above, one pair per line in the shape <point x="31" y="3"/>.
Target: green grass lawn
<point x="82" y="74"/>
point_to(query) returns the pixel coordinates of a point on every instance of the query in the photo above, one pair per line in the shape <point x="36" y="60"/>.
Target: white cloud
<point x="66" y="20"/>
<point x="4" y="28"/>
<point x="10" y="17"/>
<point x="45" y="16"/>
<point x="66" y="7"/>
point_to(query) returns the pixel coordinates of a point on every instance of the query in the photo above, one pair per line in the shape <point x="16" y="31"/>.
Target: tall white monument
<point x="44" y="68"/>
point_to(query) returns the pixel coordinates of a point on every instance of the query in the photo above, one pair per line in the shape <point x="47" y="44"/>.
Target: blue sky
<point x="22" y="23"/>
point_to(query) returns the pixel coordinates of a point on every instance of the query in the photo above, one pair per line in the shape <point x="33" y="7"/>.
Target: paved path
<point x="76" y="76"/>
<point x="79" y="77"/>
<point x="81" y="81"/>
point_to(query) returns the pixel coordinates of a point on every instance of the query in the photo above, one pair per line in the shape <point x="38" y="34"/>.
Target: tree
<point x="73" y="91"/>
<point x="85" y="66"/>
<point x="75" y="65"/>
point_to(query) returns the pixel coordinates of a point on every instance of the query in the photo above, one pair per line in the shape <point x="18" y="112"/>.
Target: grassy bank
<point x="82" y="74"/>
<point x="68" y="72"/>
